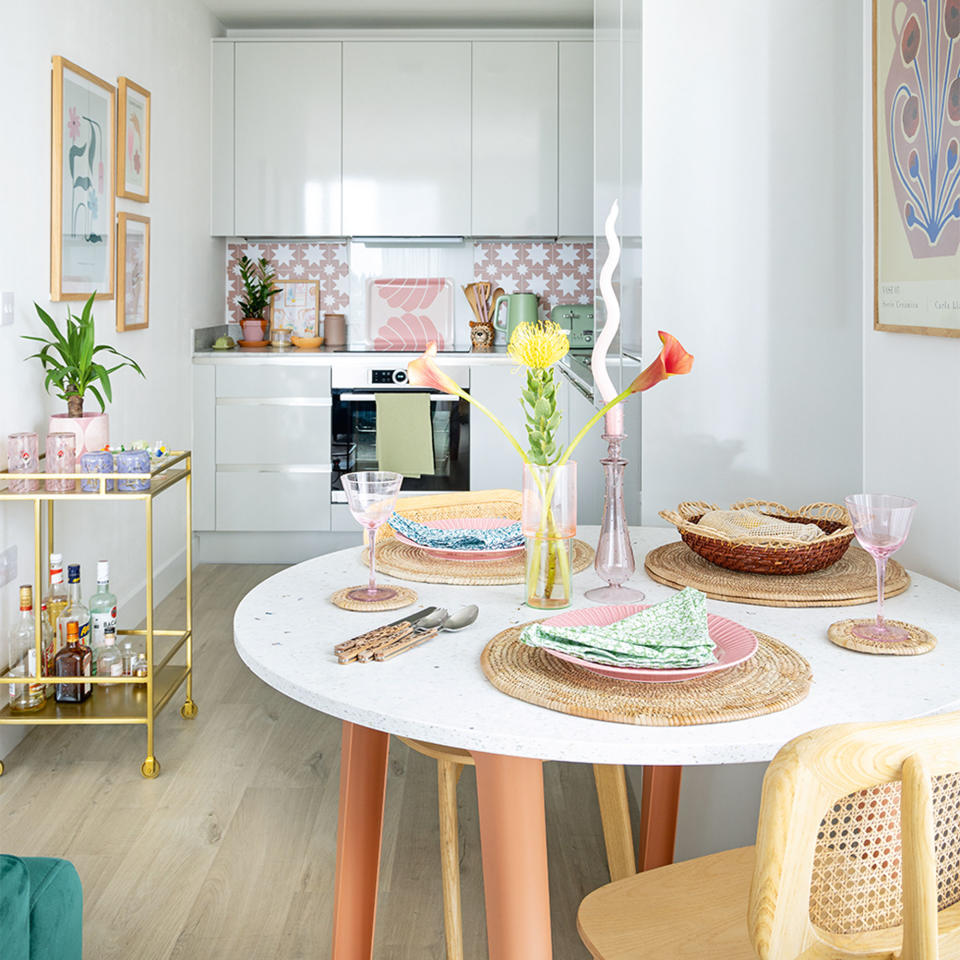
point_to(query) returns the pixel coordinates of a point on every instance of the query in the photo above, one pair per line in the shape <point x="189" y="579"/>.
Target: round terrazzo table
<point x="285" y="630"/>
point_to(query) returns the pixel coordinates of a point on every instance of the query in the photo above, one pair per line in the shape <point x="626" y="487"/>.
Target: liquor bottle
<point x="48" y="644"/>
<point x="103" y="612"/>
<point x="56" y="593"/>
<point x="110" y="662"/>
<point x="22" y="657"/>
<point x="73" y="661"/>
<point x="75" y="610"/>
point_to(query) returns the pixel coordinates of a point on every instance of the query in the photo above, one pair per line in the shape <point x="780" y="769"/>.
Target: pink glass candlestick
<point x="614" y="561"/>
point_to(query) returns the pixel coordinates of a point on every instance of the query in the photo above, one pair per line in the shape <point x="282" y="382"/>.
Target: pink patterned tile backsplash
<point x="557" y="272"/>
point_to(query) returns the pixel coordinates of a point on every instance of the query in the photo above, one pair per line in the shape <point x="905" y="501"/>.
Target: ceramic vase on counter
<point x="549" y="523"/>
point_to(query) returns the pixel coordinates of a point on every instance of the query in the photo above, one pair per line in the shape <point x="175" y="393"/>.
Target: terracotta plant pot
<point x="92" y="430"/>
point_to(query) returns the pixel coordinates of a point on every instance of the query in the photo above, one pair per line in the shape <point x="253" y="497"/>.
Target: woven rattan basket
<point x="767" y="555"/>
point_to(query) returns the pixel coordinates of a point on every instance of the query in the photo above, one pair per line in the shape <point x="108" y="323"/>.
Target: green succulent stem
<point x="539" y="401"/>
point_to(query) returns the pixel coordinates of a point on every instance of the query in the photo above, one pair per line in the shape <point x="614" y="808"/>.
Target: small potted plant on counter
<point x="69" y="358"/>
<point x="258" y="288"/>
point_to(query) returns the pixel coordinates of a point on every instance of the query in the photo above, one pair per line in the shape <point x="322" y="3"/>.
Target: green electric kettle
<point x="521" y="308"/>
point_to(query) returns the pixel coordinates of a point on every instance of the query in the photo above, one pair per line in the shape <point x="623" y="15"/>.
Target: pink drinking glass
<point x="371" y="496"/>
<point x="23" y="456"/>
<point x="61" y="458"/>
<point x="881" y="522"/>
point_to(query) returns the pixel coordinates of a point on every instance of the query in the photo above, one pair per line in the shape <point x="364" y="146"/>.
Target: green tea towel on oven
<point x="670" y="635"/>
<point x="404" y="433"/>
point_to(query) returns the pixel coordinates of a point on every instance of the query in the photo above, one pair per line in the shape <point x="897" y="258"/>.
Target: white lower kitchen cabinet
<point x="406" y="138"/>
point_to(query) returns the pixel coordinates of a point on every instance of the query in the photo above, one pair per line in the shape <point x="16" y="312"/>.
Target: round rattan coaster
<point x="919" y="641"/>
<point x="405" y="596"/>
<point x="774" y="678"/>
<point x="850" y="581"/>
<point x="410" y="563"/>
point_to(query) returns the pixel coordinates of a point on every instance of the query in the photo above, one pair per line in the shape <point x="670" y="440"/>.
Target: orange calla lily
<point x="671" y="361"/>
<point x="423" y="372"/>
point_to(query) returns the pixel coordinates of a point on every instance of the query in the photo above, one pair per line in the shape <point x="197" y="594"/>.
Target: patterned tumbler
<point x="23" y="456"/>
<point x="61" y="458"/>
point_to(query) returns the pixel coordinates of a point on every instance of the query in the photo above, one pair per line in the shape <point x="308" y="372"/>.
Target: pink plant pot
<point x="252" y="330"/>
<point x="92" y="430"/>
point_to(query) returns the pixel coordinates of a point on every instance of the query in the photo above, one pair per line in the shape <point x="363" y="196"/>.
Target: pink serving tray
<point x="733" y="643"/>
<point x="465" y="523"/>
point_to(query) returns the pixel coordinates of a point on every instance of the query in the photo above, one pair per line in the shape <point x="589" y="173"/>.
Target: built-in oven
<point x="353" y="434"/>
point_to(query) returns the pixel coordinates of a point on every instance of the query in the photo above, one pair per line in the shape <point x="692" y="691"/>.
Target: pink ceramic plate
<point x="465" y="523"/>
<point x="733" y="643"/>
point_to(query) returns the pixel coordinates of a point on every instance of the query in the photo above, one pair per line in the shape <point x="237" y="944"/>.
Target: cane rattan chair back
<point x="858" y="847"/>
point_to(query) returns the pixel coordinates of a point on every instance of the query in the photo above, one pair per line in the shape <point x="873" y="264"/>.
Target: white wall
<point x="164" y="46"/>
<point x="752" y="246"/>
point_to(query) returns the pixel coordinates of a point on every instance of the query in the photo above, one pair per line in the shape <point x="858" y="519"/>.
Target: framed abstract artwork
<point x="133" y="272"/>
<point x="916" y="166"/>
<point x="296" y="307"/>
<point x="81" y="190"/>
<point x="133" y="144"/>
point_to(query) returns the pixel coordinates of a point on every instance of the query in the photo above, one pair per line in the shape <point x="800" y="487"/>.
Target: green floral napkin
<point x="670" y="635"/>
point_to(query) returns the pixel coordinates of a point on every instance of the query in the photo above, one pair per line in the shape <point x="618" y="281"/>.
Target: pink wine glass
<point x="371" y="496"/>
<point x="881" y="522"/>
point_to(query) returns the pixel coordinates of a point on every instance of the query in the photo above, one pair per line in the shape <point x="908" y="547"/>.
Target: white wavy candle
<point x="598" y="358"/>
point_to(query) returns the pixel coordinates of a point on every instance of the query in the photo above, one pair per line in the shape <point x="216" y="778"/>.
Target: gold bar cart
<point x="137" y="699"/>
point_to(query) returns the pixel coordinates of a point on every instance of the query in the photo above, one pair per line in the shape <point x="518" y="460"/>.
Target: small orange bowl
<point x="307" y="343"/>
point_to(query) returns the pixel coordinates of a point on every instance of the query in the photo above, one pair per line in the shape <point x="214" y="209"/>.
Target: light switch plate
<point x="6" y="308"/>
<point x="8" y="565"/>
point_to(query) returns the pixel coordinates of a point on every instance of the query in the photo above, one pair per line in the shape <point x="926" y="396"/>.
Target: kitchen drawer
<point x="271" y="380"/>
<point x="273" y="431"/>
<point x="291" y="499"/>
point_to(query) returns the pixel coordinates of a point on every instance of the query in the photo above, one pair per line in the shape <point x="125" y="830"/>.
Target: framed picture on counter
<point x="133" y="272"/>
<point x="916" y="167"/>
<point x="133" y="145"/>
<point x="81" y="184"/>
<point x="296" y="307"/>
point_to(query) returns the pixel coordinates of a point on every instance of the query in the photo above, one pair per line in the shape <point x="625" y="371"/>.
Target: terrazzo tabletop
<point x="285" y="630"/>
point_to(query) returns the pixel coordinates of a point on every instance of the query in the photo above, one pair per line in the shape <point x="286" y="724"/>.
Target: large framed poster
<point x="916" y="166"/>
<point x="82" y="166"/>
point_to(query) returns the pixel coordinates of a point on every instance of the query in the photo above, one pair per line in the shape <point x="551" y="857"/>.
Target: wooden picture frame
<point x="296" y="307"/>
<point x="133" y="272"/>
<point x="133" y="144"/>
<point x="83" y="137"/>
<point x="916" y="187"/>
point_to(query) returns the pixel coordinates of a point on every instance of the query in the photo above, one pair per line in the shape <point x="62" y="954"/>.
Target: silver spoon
<point x="461" y="619"/>
<point x="435" y="619"/>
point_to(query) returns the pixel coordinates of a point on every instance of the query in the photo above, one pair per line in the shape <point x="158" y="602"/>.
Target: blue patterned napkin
<point x="499" y="538"/>
<point x="669" y="635"/>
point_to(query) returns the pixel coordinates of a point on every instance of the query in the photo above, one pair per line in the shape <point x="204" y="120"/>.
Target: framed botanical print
<point x="81" y="194"/>
<point x="296" y="307"/>
<point x="133" y="271"/>
<point x="916" y="166"/>
<point x="133" y="144"/>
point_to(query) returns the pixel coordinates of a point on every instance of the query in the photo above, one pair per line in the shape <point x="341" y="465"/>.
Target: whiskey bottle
<point x="48" y="645"/>
<point x="56" y="595"/>
<point x="73" y="661"/>
<point x="22" y="657"/>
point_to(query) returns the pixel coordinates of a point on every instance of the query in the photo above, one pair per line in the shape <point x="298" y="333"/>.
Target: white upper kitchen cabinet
<point x="515" y="138"/>
<point x="576" y="138"/>
<point x="406" y="138"/>
<point x="287" y="138"/>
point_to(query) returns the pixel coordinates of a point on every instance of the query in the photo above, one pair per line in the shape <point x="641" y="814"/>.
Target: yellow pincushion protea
<point x="538" y="345"/>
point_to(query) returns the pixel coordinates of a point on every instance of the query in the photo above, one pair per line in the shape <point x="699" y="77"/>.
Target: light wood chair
<point x="610" y="780"/>
<point x="857" y="856"/>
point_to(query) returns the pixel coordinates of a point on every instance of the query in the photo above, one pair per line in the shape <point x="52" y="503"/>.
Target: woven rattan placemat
<point x="774" y="678"/>
<point x="410" y="563"/>
<point x="342" y="599"/>
<point x="919" y="641"/>
<point x="852" y="580"/>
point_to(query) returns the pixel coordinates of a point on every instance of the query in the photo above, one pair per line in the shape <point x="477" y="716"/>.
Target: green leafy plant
<point x="68" y="357"/>
<point x="258" y="287"/>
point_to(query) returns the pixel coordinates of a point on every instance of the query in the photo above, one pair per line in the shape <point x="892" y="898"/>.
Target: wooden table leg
<point x="513" y="842"/>
<point x="658" y="815"/>
<point x="363" y="786"/>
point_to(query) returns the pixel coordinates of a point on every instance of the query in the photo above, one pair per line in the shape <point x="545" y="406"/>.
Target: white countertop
<point x="285" y="630"/>
<point x="326" y="358"/>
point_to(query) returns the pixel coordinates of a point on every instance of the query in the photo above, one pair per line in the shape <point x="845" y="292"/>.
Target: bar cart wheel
<point x="1" y="768"/>
<point x="150" y="768"/>
<point x="189" y="710"/>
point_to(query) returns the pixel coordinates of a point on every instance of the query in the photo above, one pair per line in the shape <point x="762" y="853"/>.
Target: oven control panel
<point x="388" y="376"/>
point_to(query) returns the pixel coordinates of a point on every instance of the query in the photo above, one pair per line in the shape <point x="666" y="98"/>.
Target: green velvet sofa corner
<point x="41" y="909"/>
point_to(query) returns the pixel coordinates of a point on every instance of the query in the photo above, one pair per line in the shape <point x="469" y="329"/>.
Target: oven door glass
<point x="354" y="441"/>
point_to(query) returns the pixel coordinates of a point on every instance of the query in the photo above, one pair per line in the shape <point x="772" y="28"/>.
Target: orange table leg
<point x="363" y="786"/>
<point x="513" y="842"/>
<point x="658" y="815"/>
